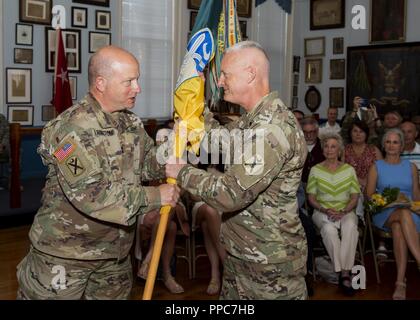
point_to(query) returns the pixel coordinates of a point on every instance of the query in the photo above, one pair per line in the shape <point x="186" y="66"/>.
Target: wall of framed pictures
<point x="29" y="55"/>
<point x="388" y="22"/>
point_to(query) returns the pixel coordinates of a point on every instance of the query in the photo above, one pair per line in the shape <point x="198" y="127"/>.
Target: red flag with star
<point x="62" y="93"/>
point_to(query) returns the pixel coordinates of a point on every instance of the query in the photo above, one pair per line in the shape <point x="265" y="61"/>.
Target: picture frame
<point x="193" y="16"/>
<point x="296" y="79"/>
<point x="103" y="20"/>
<point x="98" y="40"/>
<point x="313" y="71"/>
<point x="294" y="103"/>
<point x="338" y="45"/>
<point x="23" y="56"/>
<point x="48" y="113"/>
<point x="295" y="91"/>
<point x="336" y="97"/>
<point x="72" y="49"/>
<point x="18" y="85"/>
<point x="35" y="11"/>
<point x="312" y="98"/>
<point x="24" y="34"/>
<point x="194" y="4"/>
<point x="73" y="87"/>
<point x="102" y="3"/>
<point x="244" y="8"/>
<point x="395" y="85"/>
<point x="327" y="14"/>
<point x="79" y="17"/>
<point x="314" y="46"/>
<point x="242" y="27"/>
<point x="21" y="114"/>
<point x="387" y="21"/>
<point x="337" y="69"/>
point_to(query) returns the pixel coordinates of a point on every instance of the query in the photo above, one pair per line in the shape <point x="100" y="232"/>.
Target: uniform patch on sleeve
<point x="76" y="166"/>
<point x="64" y="150"/>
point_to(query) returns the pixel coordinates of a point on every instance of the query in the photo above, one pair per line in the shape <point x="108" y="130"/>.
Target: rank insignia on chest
<point x="75" y="166"/>
<point x="64" y="151"/>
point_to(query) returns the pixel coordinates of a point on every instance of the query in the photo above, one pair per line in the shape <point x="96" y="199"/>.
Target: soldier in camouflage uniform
<point x="98" y="154"/>
<point x="261" y="231"/>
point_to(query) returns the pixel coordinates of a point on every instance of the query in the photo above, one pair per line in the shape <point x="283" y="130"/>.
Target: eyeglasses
<point x="310" y="132"/>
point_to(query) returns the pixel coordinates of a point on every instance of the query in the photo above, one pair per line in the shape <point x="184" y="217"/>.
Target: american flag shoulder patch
<point x="64" y="151"/>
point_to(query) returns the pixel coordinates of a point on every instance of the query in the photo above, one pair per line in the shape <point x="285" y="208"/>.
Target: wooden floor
<point x="14" y="244"/>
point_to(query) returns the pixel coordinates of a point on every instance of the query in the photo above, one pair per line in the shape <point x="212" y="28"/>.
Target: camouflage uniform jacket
<point x="96" y="162"/>
<point x="258" y="195"/>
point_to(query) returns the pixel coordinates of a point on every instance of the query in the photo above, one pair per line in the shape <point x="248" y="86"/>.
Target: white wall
<point x="351" y="38"/>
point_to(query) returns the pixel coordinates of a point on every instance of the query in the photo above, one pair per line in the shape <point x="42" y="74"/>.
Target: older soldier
<point x="261" y="231"/>
<point x="97" y="153"/>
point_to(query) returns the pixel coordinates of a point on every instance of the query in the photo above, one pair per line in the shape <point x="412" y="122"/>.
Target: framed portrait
<point x="338" y="45"/>
<point x="103" y="20"/>
<point x="35" y="11"/>
<point x="72" y="49"/>
<point x="23" y="56"/>
<point x="98" y="40"/>
<point x="295" y="91"/>
<point x="387" y="75"/>
<point x="244" y="8"/>
<point x="24" y="34"/>
<point x="79" y="17"/>
<point x="314" y="46"/>
<point x="102" y="3"/>
<point x="194" y="4"/>
<point x="337" y="69"/>
<point x="48" y="113"/>
<point x="387" y="21"/>
<point x="337" y="97"/>
<point x="18" y="85"/>
<point x="313" y="71"/>
<point x="21" y="114"/>
<point x="312" y="98"/>
<point x="327" y="14"/>
<point x="296" y="64"/>
<point x="73" y="87"/>
<point x="193" y="16"/>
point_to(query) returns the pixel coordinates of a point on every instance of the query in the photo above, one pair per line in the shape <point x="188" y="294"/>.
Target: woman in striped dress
<point x="333" y="190"/>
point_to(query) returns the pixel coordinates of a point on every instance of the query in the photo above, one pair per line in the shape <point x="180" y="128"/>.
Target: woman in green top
<point x="333" y="190"/>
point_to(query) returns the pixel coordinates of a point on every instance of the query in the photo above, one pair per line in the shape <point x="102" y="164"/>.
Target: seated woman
<point x="403" y="224"/>
<point x="147" y="228"/>
<point x="333" y="191"/>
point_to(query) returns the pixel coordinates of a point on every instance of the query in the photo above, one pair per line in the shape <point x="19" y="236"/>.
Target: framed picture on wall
<point x="193" y="16"/>
<point x="103" y="3"/>
<point x="23" y="56"/>
<point x="338" y="45"/>
<point x="21" y="114"/>
<point x="79" y="17"/>
<point x="242" y="26"/>
<point x="337" y="68"/>
<point x="103" y="20"/>
<point x="244" y="8"/>
<point x="327" y="14"/>
<point x="24" y="34"/>
<point x="48" y="113"/>
<point x="194" y="4"/>
<point x="313" y="71"/>
<point x="18" y="85"/>
<point x="314" y="46"/>
<point x="98" y="40"/>
<point x="73" y="87"/>
<point x="72" y="49"/>
<point x="35" y="11"/>
<point x="387" y="21"/>
<point x="337" y="97"/>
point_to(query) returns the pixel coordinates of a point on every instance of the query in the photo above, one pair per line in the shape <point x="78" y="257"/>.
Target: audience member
<point x="299" y="115"/>
<point x="411" y="149"/>
<point x="331" y="125"/>
<point x="4" y="139"/>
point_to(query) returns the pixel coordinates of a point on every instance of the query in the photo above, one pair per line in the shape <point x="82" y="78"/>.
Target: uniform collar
<point x="263" y="104"/>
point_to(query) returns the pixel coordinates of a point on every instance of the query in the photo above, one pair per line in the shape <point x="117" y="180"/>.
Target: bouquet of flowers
<point x="378" y="201"/>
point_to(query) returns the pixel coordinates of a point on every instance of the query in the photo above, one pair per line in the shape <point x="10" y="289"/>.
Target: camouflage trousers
<point x="42" y="276"/>
<point x="244" y="280"/>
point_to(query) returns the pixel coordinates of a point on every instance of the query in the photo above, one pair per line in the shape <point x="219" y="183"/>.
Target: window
<point x="147" y="33"/>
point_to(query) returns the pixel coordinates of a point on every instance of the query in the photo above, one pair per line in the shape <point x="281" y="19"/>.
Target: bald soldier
<point x="97" y="154"/>
<point x="261" y="231"/>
